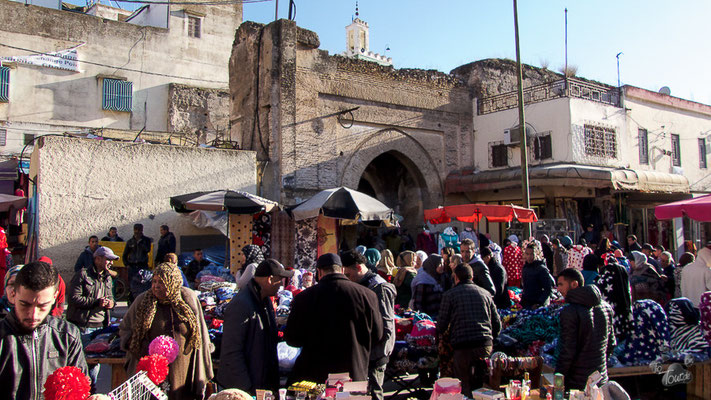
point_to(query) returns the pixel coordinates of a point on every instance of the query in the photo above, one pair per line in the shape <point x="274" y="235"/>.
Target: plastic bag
<point x="287" y="356"/>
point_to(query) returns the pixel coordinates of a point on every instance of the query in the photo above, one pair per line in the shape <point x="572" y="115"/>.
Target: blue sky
<point x="664" y="43"/>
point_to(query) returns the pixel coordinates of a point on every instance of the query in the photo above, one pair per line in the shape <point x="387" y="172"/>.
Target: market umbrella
<point x="342" y="203"/>
<point x="8" y="201"/>
<point x="474" y="212"/>
<point x="234" y="202"/>
<point x="698" y="208"/>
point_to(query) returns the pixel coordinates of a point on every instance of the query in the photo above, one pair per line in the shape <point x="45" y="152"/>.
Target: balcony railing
<point x="550" y="91"/>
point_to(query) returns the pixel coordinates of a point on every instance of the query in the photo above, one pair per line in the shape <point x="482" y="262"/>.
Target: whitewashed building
<point x="90" y="70"/>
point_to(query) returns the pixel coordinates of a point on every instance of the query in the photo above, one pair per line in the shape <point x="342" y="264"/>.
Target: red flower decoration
<point x="156" y="367"/>
<point x="67" y="383"/>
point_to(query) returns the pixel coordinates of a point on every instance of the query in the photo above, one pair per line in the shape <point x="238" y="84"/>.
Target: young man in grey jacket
<point x="356" y="270"/>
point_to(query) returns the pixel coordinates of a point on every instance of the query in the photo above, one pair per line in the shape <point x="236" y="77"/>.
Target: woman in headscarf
<point x="372" y="256"/>
<point x="386" y="265"/>
<point x="614" y="285"/>
<point x="252" y="257"/>
<point x="421" y="257"/>
<point x="426" y="290"/>
<point x="685" y="331"/>
<point x="645" y="281"/>
<point x="650" y="335"/>
<point x="406" y="272"/>
<point x="172" y="310"/>
<point x="7" y="301"/>
<point x="684" y="260"/>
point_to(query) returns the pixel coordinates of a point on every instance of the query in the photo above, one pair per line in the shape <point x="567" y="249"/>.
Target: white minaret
<point x="358" y="42"/>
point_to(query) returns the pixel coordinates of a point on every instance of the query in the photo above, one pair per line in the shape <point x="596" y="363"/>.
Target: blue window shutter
<point x="117" y="95"/>
<point x="4" y="84"/>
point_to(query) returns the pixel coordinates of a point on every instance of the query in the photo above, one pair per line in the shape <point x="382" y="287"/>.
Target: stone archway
<point x="383" y="165"/>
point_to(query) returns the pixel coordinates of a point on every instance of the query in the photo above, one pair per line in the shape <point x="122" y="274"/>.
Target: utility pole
<point x="522" y="126"/>
<point x="618" y="69"/>
<point x="276" y="11"/>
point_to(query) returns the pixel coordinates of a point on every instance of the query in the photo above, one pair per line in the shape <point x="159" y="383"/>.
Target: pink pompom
<point x="165" y="346"/>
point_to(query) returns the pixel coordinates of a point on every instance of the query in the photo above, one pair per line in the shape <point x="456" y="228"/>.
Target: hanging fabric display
<point x="306" y="243"/>
<point x="326" y="235"/>
<point x="261" y="232"/>
<point x="282" y="237"/>
<point x="240" y="236"/>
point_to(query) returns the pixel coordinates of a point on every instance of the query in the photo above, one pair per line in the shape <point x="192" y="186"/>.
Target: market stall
<point x="248" y="217"/>
<point x="318" y="220"/>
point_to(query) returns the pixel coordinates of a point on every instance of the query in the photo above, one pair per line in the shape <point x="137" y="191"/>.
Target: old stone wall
<point x="198" y="114"/>
<point x="323" y="119"/>
<point x="86" y="186"/>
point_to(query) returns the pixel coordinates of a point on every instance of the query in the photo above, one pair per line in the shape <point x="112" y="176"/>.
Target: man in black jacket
<point x="90" y="299"/>
<point x="587" y="336"/>
<point x="336" y="323"/>
<point x="356" y="270"/>
<point x="248" y="357"/>
<point x="166" y="243"/>
<point x="135" y="257"/>
<point x="537" y="282"/>
<point x="470" y="314"/>
<point x="499" y="278"/>
<point x="479" y="268"/>
<point x="33" y="344"/>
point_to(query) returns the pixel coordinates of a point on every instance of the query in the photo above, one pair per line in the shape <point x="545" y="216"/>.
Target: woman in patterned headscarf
<point x="172" y="310"/>
<point x="252" y="257"/>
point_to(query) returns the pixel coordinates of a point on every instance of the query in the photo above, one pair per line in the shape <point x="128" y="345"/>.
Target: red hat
<point x="46" y="260"/>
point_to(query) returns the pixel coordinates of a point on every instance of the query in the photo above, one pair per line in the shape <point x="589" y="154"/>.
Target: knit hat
<point x="360" y="249"/>
<point x="12" y="272"/>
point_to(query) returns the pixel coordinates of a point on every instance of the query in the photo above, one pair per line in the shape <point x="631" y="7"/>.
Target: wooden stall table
<point x="118" y="372"/>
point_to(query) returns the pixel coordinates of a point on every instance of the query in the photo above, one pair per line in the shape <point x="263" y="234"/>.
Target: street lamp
<point x="522" y="126"/>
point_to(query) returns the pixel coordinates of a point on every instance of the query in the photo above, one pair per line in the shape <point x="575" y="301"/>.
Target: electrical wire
<point x="113" y="66"/>
<point x="204" y="3"/>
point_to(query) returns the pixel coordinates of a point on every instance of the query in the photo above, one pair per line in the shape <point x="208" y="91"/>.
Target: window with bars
<point x="600" y="141"/>
<point x="676" y="150"/>
<point x="194" y="26"/>
<point x="117" y="95"/>
<point x="702" y="153"/>
<point x="499" y="155"/>
<point x="643" y="142"/>
<point x="542" y="147"/>
<point x="4" y="84"/>
<point x="3" y="136"/>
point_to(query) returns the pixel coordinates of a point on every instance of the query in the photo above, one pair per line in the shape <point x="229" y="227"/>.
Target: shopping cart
<point x="138" y="387"/>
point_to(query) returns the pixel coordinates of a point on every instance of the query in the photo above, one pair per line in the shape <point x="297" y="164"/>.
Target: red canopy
<point x="698" y="208"/>
<point x="474" y="212"/>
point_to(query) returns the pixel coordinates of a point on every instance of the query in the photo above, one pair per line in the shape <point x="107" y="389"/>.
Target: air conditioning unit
<point x="512" y="136"/>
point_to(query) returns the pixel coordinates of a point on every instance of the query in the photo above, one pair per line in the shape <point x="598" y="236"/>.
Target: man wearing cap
<point x="336" y="323"/>
<point x="90" y="299"/>
<point x="356" y="271"/>
<point x="648" y="251"/>
<point x="248" y="357"/>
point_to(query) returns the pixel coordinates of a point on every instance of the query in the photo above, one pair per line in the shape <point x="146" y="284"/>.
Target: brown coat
<point x="188" y="374"/>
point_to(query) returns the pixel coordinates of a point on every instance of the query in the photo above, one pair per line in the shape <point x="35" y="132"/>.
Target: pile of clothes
<point x="415" y="343"/>
<point x="214" y="297"/>
<point x="106" y="343"/>
<point x="530" y="333"/>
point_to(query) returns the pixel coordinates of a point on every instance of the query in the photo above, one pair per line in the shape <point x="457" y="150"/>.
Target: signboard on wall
<point x="67" y="60"/>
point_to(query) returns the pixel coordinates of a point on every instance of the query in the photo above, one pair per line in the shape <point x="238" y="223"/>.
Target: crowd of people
<point x="343" y="312"/>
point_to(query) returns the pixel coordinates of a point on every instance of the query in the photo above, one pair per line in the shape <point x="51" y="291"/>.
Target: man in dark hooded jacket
<point x="587" y="335"/>
<point x="499" y="277"/>
<point x="536" y="280"/>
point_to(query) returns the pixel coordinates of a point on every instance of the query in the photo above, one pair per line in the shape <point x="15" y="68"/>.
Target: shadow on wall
<point x="64" y="255"/>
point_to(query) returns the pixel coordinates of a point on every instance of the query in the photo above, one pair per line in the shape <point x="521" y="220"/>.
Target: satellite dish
<point x="665" y="90"/>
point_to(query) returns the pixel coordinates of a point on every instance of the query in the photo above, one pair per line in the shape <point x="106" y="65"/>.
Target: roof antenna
<point x="356" y="9"/>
